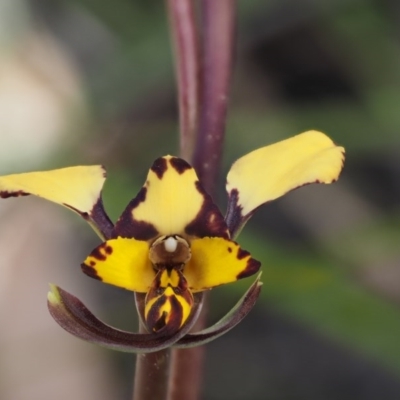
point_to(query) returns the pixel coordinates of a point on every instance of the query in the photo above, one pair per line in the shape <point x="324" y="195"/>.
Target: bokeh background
<point x="92" y="81"/>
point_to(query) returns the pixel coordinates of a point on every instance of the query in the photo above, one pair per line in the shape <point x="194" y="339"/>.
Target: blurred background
<point x="90" y="81"/>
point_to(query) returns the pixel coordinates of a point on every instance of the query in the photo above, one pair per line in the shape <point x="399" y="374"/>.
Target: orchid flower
<point x="172" y="243"/>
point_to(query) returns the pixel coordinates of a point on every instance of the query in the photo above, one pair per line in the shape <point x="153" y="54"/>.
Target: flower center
<point x="169" y="252"/>
<point x="168" y="301"/>
<point x="171" y="244"/>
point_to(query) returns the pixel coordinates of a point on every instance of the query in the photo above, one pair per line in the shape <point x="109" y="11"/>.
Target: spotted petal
<point x="78" y="188"/>
<point x="121" y="262"/>
<point x="172" y="201"/>
<point x="73" y="316"/>
<point x="270" y="172"/>
<point x="216" y="261"/>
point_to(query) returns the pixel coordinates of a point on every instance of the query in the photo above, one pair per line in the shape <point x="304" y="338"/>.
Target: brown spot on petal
<point x="230" y="249"/>
<point x="179" y="165"/>
<point x="242" y="254"/>
<point x="176" y="313"/>
<point x="159" y="167"/>
<point x="5" y="194"/>
<point x="90" y="271"/>
<point x="108" y="249"/>
<point x="102" y="251"/>
<point x="140" y="198"/>
<point x="141" y="230"/>
<point x="160" y="323"/>
<point x="154" y="320"/>
<point x="209" y="220"/>
<point x="127" y="226"/>
<point x="251" y="268"/>
<point x="99" y="252"/>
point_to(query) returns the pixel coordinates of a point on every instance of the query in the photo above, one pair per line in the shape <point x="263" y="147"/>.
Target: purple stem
<point x="218" y="45"/>
<point x="185" y="41"/>
<point x="151" y="374"/>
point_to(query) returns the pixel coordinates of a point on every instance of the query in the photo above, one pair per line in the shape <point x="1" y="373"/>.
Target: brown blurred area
<point x="84" y="82"/>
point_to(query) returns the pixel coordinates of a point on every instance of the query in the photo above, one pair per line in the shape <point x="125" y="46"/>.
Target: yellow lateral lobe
<point x="216" y="261"/>
<point x="77" y="188"/>
<point x="121" y="262"/>
<point x="270" y="172"/>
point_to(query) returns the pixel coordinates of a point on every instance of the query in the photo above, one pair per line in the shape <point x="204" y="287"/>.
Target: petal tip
<point x="252" y="267"/>
<point x="310" y="157"/>
<point x="53" y="296"/>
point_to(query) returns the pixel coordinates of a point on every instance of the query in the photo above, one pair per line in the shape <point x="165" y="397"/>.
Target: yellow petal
<point x="121" y="262"/>
<point x="172" y="202"/>
<point x="270" y="172"/>
<point x="216" y="261"/>
<point x="77" y="188"/>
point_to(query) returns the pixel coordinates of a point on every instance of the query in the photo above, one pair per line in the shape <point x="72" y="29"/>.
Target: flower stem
<point x="218" y="44"/>
<point x="185" y="41"/>
<point x="151" y="374"/>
